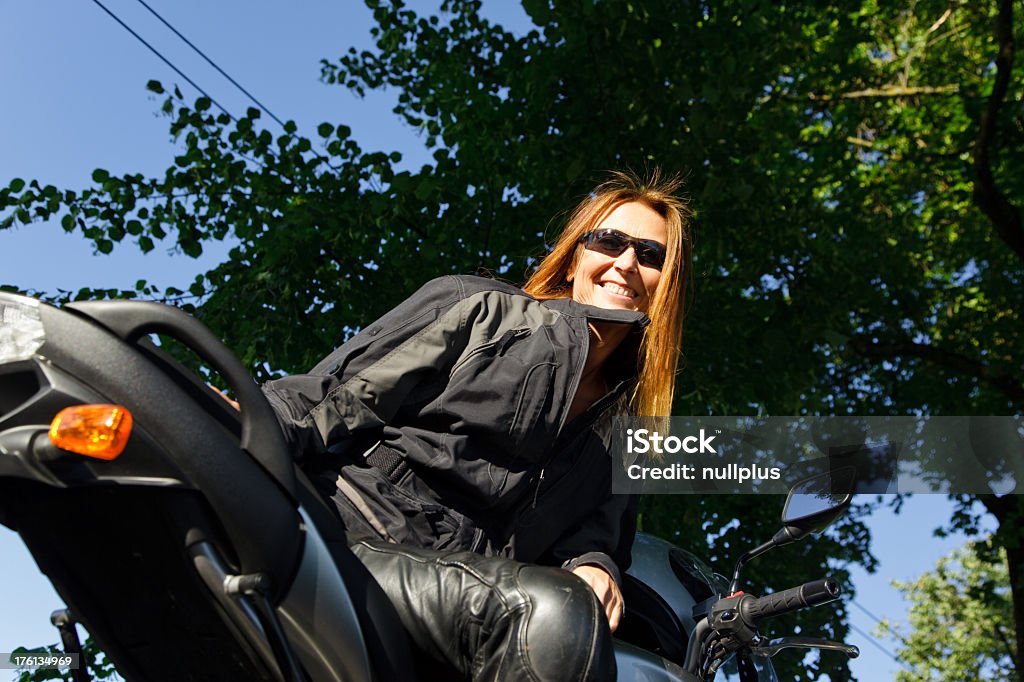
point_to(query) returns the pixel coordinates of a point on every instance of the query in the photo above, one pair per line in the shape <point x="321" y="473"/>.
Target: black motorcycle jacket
<point x="450" y="413"/>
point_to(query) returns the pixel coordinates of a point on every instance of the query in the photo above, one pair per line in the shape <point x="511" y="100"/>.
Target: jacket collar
<point x="567" y="306"/>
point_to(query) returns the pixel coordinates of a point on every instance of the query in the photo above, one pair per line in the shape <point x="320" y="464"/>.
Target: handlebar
<point x="757" y="609"/>
<point x="732" y="622"/>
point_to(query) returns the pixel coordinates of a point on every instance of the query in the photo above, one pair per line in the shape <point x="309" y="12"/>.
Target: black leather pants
<point x="494" y="618"/>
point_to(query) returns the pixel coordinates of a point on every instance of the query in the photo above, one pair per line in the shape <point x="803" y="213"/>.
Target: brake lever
<point x="776" y="645"/>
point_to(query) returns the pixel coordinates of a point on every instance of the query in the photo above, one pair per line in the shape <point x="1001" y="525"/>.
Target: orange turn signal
<point x="99" y="431"/>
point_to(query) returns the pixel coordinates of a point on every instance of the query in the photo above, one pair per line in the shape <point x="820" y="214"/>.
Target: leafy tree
<point x="854" y="166"/>
<point x="960" y="621"/>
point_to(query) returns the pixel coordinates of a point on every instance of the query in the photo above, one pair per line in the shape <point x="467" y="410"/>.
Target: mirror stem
<point x="785" y="536"/>
<point x="756" y="552"/>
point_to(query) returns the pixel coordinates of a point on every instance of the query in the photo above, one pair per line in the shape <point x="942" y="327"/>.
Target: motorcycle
<point x="183" y="537"/>
<point x="700" y="623"/>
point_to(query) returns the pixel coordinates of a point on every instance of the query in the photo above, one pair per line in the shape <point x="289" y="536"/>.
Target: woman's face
<point x="621" y="281"/>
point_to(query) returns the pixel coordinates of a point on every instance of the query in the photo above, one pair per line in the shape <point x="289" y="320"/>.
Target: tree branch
<point x="1015" y="569"/>
<point x="945" y="15"/>
<point x="999" y="380"/>
<point x="999" y="507"/>
<point x="891" y="91"/>
<point x="1000" y="633"/>
<point x="867" y="144"/>
<point x="1004" y="215"/>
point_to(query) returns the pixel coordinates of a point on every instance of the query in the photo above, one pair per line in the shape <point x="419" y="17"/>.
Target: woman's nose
<point x="626" y="260"/>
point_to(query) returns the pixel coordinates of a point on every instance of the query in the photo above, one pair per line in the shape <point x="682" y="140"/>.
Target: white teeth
<point x="613" y="288"/>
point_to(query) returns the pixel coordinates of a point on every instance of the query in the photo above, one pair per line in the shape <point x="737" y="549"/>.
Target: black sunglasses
<point x="613" y="243"/>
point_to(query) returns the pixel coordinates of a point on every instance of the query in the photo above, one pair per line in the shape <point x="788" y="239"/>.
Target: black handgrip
<point x="756" y="609"/>
<point x="261" y="434"/>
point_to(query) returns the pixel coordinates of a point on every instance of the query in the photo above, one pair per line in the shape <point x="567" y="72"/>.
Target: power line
<point x="189" y="80"/>
<point x="868" y="613"/>
<point x="878" y="620"/>
<point x="211" y="63"/>
<point x="163" y="58"/>
<point x="872" y="640"/>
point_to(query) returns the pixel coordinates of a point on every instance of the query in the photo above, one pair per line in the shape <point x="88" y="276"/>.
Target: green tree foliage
<point x="855" y="167"/>
<point x="960" y="622"/>
<point x="95" y="661"/>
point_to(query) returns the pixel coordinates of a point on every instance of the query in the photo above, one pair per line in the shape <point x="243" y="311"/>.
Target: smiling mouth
<point x="618" y="290"/>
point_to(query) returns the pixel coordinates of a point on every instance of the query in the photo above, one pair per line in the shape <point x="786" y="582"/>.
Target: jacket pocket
<point x="495" y="348"/>
<point x="500" y="391"/>
<point x="534" y="400"/>
<point x="409" y="517"/>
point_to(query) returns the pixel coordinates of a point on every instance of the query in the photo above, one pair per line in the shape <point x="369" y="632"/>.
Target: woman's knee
<point x="565" y="633"/>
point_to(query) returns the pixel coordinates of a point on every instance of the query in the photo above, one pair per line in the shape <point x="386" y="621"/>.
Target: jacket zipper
<point x="599" y="408"/>
<point x="572" y="390"/>
<point x="561" y="425"/>
<point x="565" y="414"/>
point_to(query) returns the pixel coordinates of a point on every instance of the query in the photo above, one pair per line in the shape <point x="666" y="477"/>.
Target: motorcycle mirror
<point x="812" y="505"/>
<point x="816" y="502"/>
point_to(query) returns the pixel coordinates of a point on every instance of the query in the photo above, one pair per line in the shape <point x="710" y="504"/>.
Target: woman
<point x="471" y="425"/>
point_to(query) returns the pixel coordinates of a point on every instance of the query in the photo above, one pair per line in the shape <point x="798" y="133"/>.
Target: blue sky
<point x="73" y="84"/>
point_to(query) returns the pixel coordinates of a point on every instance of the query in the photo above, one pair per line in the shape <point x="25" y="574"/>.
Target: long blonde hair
<point x="661" y="345"/>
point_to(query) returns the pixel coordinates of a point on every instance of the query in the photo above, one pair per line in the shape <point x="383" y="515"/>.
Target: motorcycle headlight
<point x="21" y="330"/>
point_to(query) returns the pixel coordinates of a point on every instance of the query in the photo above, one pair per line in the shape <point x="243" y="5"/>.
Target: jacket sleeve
<point x="363" y="383"/>
<point x="604" y="538"/>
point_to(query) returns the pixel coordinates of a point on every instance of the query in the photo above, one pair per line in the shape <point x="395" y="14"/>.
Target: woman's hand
<point x="232" y="403"/>
<point x="607" y="591"/>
